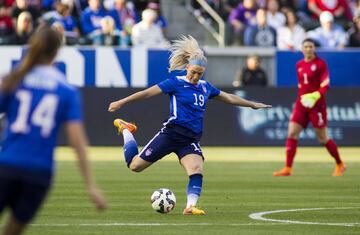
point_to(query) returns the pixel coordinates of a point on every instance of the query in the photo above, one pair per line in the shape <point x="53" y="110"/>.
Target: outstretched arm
<point x="238" y="101"/>
<point x="147" y="93"/>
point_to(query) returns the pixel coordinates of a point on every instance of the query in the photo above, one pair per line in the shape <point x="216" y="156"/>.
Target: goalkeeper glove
<point x="309" y="100"/>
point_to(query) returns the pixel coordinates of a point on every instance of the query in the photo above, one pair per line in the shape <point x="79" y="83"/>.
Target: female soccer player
<point x="36" y="100"/>
<point x="182" y="131"/>
<point x="310" y="106"/>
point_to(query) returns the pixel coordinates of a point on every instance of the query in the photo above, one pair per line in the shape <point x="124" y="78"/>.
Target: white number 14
<point x="43" y="115"/>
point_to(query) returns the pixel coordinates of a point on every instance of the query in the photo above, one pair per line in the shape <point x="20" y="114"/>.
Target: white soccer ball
<point x="163" y="200"/>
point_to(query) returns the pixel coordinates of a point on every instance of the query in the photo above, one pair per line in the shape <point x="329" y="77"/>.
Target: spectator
<point x="252" y="74"/>
<point x="147" y="33"/>
<point x="8" y="3"/>
<point x="62" y="15"/>
<point x="6" y="24"/>
<point x="91" y="17"/>
<point x="274" y="17"/>
<point x="223" y="7"/>
<point x="338" y="8"/>
<point x="241" y="17"/>
<point x="109" y="35"/>
<point x="354" y="34"/>
<point x="161" y="21"/>
<point x="290" y="36"/>
<point x="260" y="34"/>
<point x="356" y="8"/>
<point x="328" y="35"/>
<point x="24" y="29"/>
<point x="23" y="5"/>
<point x="128" y="17"/>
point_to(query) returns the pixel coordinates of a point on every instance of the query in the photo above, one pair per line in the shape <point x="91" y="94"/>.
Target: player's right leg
<point x="291" y="146"/>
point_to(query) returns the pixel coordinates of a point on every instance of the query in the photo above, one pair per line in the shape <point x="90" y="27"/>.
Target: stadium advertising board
<point x="225" y="125"/>
<point x="103" y="66"/>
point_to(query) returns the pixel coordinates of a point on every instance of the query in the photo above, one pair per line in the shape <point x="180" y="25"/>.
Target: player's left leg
<point x="322" y="135"/>
<point x="193" y="165"/>
<point x="318" y="119"/>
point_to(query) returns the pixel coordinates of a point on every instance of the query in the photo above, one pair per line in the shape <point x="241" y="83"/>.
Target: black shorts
<point x="170" y="139"/>
<point x="22" y="191"/>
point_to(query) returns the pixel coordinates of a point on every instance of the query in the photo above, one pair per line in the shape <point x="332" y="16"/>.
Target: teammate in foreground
<point x="182" y="131"/>
<point x="36" y="100"/>
<point x="310" y="106"/>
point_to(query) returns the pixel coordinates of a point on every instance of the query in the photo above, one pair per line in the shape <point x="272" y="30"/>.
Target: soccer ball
<point x="163" y="200"/>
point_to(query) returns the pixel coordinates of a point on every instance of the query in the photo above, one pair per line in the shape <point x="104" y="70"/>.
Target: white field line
<point x="260" y="216"/>
<point x="149" y="224"/>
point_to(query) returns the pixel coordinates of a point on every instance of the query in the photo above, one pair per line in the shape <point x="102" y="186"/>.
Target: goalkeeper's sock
<point x="333" y="150"/>
<point x="291" y="146"/>
<point x="130" y="146"/>
<point x="194" y="189"/>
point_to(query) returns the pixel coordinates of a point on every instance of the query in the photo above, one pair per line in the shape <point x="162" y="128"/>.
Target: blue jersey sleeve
<point x="213" y="91"/>
<point x="167" y="86"/>
<point x="73" y="107"/>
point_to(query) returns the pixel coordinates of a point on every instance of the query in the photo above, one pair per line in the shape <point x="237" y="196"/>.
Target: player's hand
<point x="97" y="198"/>
<point x="256" y="105"/>
<point x="309" y="100"/>
<point x="114" y="106"/>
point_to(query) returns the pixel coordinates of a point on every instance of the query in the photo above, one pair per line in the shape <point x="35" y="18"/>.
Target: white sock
<point x="191" y="200"/>
<point x="128" y="136"/>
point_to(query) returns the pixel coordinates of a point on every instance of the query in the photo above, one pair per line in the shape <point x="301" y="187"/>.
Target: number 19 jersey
<point x="35" y="111"/>
<point x="187" y="101"/>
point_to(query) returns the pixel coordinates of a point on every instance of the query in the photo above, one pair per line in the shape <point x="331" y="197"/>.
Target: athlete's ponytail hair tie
<point x="186" y="51"/>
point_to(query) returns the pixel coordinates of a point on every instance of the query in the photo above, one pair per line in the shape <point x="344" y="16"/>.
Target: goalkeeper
<point x="310" y="106"/>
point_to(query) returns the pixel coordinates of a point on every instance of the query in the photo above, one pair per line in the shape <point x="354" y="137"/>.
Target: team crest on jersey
<point x="313" y="67"/>
<point x="300" y="69"/>
<point x="148" y="152"/>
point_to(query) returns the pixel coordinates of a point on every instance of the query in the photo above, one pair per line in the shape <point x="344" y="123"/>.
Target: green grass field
<point x="238" y="182"/>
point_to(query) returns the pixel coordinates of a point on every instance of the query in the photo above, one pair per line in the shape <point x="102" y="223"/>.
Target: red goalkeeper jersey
<point x="312" y="76"/>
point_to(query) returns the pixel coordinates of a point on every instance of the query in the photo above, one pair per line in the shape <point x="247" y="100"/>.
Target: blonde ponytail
<point x="182" y="51"/>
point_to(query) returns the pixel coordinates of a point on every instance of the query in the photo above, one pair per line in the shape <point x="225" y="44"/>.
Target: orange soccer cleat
<point x="193" y="210"/>
<point x="286" y="171"/>
<point x="121" y="125"/>
<point x="339" y="169"/>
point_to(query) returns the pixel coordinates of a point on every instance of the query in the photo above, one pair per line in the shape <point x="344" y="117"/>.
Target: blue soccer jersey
<point x="34" y="113"/>
<point x="187" y="101"/>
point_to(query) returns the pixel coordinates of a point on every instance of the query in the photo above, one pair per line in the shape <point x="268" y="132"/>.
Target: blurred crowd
<point x="265" y="23"/>
<point x="285" y="23"/>
<point x="85" y="22"/>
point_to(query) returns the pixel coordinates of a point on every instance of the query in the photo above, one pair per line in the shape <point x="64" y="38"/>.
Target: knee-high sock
<point x="291" y="146"/>
<point x="130" y="146"/>
<point x="194" y="189"/>
<point x="333" y="150"/>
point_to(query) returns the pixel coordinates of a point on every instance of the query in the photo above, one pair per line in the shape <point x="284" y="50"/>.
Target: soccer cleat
<point x="339" y="169"/>
<point x="286" y="171"/>
<point x="192" y="210"/>
<point x="121" y="125"/>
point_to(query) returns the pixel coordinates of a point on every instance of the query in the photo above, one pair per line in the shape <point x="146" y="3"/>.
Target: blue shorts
<point x="22" y="191"/>
<point x="170" y="139"/>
